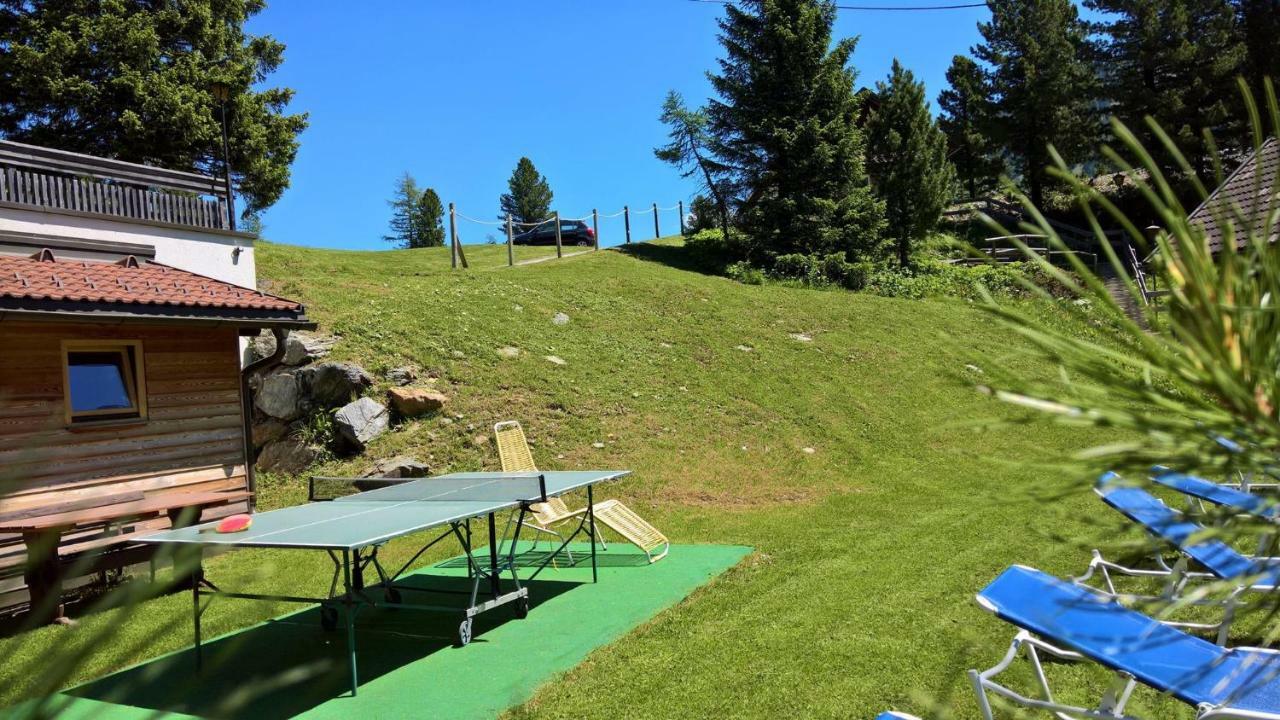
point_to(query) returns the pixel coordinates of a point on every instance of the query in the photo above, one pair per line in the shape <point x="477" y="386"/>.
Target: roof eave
<point x="121" y="313"/>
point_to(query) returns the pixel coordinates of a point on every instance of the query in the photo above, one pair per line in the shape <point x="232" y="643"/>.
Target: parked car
<point x="572" y="232"/>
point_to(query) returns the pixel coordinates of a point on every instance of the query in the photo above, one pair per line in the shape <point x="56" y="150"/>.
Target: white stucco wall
<point x="206" y="253"/>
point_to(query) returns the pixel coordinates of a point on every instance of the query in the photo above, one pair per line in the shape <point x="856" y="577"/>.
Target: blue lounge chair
<point x="1070" y="622"/>
<point x="1222" y="495"/>
<point x="895" y="715"/>
<point x="1220" y="560"/>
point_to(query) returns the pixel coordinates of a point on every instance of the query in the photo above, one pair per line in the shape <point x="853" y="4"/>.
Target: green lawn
<point x="869" y="547"/>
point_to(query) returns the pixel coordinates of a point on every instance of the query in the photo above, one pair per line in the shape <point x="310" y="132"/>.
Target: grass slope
<point x="869" y="547"/>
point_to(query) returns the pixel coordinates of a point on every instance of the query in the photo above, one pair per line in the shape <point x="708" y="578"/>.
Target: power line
<point x="879" y="7"/>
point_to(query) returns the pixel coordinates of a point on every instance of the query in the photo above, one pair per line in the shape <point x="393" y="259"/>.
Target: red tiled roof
<point x="128" y="282"/>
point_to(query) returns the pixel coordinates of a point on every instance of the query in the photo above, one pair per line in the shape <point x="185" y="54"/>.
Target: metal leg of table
<point x="591" y="530"/>
<point x="495" y="581"/>
<point x="197" y="577"/>
<point x="348" y="602"/>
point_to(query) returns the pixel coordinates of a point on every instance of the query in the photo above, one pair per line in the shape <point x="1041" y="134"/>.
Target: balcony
<point x="57" y="181"/>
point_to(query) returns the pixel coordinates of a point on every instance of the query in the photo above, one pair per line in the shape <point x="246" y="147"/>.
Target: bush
<point x="743" y="272"/>
<point x="934" y="278"/>
<point x="821" y="270"/>
<point x="709" y="249"/>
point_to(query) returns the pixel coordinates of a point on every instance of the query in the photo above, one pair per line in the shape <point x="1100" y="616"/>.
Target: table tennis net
<point x="496" y="487"/>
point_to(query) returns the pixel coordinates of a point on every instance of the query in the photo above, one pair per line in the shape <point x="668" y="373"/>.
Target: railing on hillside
<point x="1000" y="249"/>
<point x="57" y="180"/>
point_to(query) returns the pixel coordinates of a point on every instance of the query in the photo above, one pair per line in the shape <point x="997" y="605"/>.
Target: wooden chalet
<point x="123" y="400"/>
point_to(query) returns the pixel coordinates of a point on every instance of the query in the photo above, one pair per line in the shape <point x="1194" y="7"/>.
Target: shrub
<point x="709" y="249"/>
<point x="745" y="273"/>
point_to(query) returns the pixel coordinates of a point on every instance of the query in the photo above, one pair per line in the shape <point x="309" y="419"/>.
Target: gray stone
<point x="402" y="375"/>
<point x="278" y="396"/>
<point x="305" y="347"/>
<point x="287" y="456"/>
<point x="268" y="431"/>
<point x="401" y="466"/>
<point x="509" y="352"/>
<point x="560" y="319"/>
<point x="359" y="422"/>
<point x="555" y="360"/>
<point x="330" y="385"/>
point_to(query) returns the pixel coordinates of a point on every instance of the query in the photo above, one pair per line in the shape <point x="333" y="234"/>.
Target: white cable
<point x="479" y="222"/>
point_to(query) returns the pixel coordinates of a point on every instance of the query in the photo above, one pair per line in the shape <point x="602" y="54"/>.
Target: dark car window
<point x="574" y="225"/>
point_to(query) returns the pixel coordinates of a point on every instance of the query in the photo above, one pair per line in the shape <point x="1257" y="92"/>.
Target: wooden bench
<point x="43" y="528"/>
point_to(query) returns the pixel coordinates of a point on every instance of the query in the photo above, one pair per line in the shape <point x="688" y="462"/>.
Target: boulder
<point x="278" y="396"/>
<point x="509" y="352"/>
<point x="414" y="402"/>
<point x="402" y="375"/>
<point x="305" y="347"/>
<point x="359" y="422"/>
<point x="331" y="385"/>
<point x="399" y="467"/>
<point x="287" y="456"/>
<point x="267" y="431"/>
<point x="560" y="319"/>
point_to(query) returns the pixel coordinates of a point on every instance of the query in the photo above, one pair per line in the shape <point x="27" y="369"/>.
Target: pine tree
<point x="1175" y="61"/>
<point x="133" y="80"/>
<point x="1043" y="86"/>
<point x="704" y="214"/>
<point x="1259" y="24"/>
<point x="529" y="198"/>
<point x="404" y="226"/>
<point x="965" y="106"/>
<point x="429" y="217"/>
<point x="784" y="123"/>
<point x="907" y="160"/>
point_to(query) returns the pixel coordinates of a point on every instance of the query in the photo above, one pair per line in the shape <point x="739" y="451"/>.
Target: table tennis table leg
<point x="347" y="601"/>
<point x="591" y="529"/>
<point x="495" y="580"/>
<point x="197" y="577"/>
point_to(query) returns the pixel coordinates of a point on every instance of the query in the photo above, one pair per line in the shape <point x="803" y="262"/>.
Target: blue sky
<point x="455" y="92"/>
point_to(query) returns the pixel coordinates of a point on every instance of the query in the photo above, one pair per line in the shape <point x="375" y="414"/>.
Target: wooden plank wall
<point x="191" y="440"/>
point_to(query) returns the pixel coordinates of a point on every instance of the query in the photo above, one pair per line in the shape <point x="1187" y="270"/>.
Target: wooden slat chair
<point x="514" y="451"/>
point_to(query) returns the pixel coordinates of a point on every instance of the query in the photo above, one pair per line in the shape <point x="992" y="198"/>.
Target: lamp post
<point x="222" y="93"/>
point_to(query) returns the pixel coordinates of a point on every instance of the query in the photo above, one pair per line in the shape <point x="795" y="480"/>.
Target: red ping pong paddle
<point x="234" y="523"/>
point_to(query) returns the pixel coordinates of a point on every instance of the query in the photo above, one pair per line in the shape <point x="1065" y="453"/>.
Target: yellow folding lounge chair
<point x="513" y="449"/>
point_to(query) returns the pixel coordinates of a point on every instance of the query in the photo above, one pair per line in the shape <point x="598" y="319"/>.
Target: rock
<point x="268" y="431"/>
<point x="480" y="440"/>
<point x="597" y="445"/>
<point x="808" y="451"/>
<point x="402" y="375"/>
<point x="330" y="385"/>
<point x="745" y="348"/>
<point x="287" y="456"/>
<point x="560" y="319"/>
<point x="555" y="360"/>
<point x="415" y="402"/>
<point x="509" y="352"/>
<point x="519" y="308"/>
<point x="359" y="422"/>
<point x="800" y="337"/>
<point x="278" y="396"/>
<point x="401" y="466"/>
<point x="665" y="345"/>
<point x="446" y="421"/>
<point x="305" y="347"/>
<point x="457" y="354"/>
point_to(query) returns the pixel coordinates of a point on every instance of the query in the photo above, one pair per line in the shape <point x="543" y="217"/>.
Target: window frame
<point x="135" y="382"/>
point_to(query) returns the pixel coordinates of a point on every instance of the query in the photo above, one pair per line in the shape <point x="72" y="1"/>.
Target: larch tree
<point x="785" y="128"/>
<point x="688" y="150"/>
<point x="907" y="161"/>
<point x="404" y="227"/>
<point x="132" y="80"/>
<point x="965" y="105"/>
<point x="528" y="196"/>
<point x="1174" y="61"/>
<point x="1044" y="90"/>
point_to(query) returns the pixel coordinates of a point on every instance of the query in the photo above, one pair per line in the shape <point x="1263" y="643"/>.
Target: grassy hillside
<point x="837" y="433"/>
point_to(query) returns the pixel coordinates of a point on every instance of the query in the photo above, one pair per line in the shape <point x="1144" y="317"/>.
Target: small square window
<point x="104" y="381"/>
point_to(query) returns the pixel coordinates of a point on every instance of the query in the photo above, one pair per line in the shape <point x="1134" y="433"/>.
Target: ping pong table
<point x="352" y="528"/>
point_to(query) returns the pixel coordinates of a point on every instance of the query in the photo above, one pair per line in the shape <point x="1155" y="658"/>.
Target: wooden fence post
<point x="595" y="227"/>
<point x="681" y="211"/>
<point x="511" y="254"/>
<point x="626" y="220"/>
<point x="453" y="238"/>
<point x="656" y="233"/>
<point x="558" y="248"/>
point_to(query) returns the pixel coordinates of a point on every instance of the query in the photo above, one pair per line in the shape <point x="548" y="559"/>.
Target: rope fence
<point x="512" y="227"/>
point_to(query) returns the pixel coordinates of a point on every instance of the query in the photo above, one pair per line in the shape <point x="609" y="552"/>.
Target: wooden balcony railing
<point x="56" y="180"/>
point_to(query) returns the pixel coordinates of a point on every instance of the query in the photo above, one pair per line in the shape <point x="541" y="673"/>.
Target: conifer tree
<point x="1259" y="23"/>
<point x="1175" y="61"/>
<point x="907" y="160"/>
<point x="1043" y="86"/>
<point x="784" y="124"/>
<point x="429" y="216"/>
<point x="404" y="226"/>
<point x="528" y="199"/>
<point x="965" y="106"/>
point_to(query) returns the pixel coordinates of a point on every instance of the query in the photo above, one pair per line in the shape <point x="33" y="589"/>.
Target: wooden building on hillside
<point x="122" y="393"/>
